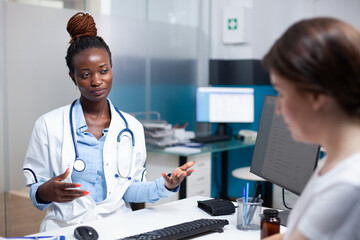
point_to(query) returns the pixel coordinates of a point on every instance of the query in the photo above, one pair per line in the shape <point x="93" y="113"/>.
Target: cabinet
<point x="199" y="183"/>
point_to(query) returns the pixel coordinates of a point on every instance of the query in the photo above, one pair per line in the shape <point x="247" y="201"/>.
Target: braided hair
<point x="83" y="33"/>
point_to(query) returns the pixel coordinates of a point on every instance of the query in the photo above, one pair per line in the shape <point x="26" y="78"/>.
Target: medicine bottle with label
<point x="270" y="223"/>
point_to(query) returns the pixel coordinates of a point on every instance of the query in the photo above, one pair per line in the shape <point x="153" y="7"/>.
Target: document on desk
<point x="182" y="150"/>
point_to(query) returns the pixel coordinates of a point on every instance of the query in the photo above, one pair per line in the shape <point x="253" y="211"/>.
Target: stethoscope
<point x="80" y="165"/>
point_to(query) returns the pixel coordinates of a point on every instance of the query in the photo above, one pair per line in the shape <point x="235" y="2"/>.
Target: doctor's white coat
<point x="51" y="152"/>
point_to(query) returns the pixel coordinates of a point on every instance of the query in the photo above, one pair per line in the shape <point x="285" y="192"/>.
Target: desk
<point x="222" y="147"/>
<point x="161" y="216"/>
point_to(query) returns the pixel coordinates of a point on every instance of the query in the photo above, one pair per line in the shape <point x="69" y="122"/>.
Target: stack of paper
<point x="159" y="134"/>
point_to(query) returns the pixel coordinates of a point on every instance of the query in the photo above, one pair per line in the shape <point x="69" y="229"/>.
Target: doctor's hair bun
<point x="81" y="24"/>
<point x="83" y="32"/>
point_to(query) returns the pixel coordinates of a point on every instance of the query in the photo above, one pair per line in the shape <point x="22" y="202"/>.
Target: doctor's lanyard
<point x="79" y="164"/>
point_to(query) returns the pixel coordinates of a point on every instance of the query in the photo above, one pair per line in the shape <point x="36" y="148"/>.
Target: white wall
<point x="3" y="178"/>
<point x="37" y="77"/>
<point x="181" y="12"/>
<point x="268" y="19"/>
<point x="204" y="43"/>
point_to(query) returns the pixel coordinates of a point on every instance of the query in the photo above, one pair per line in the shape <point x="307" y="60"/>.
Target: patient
<point x="315" y="68"/>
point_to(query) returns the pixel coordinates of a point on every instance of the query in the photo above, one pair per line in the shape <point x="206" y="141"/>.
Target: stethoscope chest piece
<point x="79" y="165"/>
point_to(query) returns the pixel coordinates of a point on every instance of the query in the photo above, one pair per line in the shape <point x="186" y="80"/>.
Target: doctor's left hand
<point x="178" y="175"/>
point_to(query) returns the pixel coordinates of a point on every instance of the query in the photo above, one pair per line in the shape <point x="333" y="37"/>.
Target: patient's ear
<point x="318" y="100"/>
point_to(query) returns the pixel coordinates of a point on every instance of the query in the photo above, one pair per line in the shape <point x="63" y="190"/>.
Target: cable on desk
<point x="283" y="198"/>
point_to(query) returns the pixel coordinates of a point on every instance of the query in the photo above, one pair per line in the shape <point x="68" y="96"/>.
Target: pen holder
<point x="248" y="214"/>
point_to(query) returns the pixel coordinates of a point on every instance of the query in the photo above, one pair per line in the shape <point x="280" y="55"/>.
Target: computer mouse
<point x="85" y="233"/>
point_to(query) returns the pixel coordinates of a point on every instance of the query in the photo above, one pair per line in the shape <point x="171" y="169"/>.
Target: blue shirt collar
<point x="80" y="123"/>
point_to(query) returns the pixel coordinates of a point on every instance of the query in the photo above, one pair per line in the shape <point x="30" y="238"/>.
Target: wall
<point x="204" y="43"/>
<point x="269" y="19"/>
<point x="180" y="12"/>
<point x="276" y="16"/>
<point x="3" y="173"/>
<point x="3" y="178"/>
<point x="37" y="76"/>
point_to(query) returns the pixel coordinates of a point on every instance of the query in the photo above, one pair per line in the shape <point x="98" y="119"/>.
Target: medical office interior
<point x="163" y="50"/>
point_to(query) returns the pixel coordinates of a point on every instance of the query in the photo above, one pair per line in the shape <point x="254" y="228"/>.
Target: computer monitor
<point x="225" y="105"/>
<point x="277" y="157"/>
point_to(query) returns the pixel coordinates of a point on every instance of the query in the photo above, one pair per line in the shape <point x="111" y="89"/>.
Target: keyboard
<point x="211" y="138"/>
<point x="183" y="230"/>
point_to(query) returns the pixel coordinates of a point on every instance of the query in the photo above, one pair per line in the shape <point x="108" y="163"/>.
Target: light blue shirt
<point x="92" y="179"/>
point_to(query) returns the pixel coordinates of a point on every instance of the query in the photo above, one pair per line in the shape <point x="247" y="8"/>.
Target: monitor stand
<point x="219" y="136"/>
<point x="221" y="131"/>
<point x="283" y="215"/>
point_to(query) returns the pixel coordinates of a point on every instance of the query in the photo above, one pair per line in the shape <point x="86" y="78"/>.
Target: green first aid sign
<point x="232" y="24"/>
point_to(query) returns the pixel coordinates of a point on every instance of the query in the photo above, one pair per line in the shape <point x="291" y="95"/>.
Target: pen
<point x="247" y="193"/>
<point x="43" y="237"/>
<point x="246" y="201"/>
<point x="244" y="193"/>
<point x="253" y="208"/>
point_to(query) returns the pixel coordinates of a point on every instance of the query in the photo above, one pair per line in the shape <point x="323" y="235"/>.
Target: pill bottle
<point x="270" y="223"/>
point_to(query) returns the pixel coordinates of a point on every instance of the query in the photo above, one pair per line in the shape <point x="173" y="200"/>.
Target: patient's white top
<point x="329" y="206"/>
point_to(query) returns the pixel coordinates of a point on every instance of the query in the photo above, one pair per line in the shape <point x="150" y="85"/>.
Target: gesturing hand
<point x="178" y="175"/>
<point x="55" y="190"/>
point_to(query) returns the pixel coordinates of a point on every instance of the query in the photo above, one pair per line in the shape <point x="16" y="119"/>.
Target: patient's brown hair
<point x="322" y="55"/>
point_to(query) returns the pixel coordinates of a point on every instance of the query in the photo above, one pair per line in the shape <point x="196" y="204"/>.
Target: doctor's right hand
<point x="55" y="190"/>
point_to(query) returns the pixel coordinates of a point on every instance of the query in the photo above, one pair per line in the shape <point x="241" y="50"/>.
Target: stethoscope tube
<point x="79" y="164"/>
<point x="126" y="129"/>
<point x="72" y="130"/>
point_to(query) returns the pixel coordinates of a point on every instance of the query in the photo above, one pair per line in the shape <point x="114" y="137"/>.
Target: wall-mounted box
<point x="234" y="24"/>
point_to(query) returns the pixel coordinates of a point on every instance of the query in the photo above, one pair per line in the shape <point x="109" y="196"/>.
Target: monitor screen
<point x="225" y="105"/>
<point x="277" y="157"/>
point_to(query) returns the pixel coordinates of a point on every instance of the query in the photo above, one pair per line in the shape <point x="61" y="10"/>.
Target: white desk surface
<point x="156" y="217"/>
